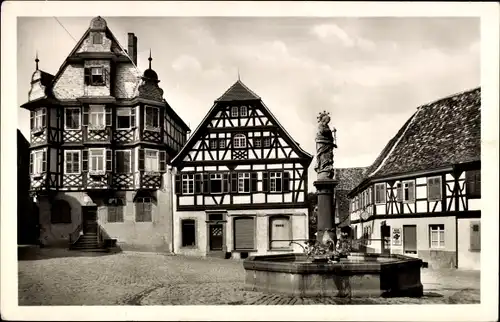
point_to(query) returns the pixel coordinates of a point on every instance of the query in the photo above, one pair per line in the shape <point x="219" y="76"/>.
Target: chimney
<point x="132" y="47"/>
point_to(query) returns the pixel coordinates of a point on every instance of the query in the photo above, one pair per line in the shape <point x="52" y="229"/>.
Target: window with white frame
<point x="72" y="118"/>
<point x="151" y="160"/>
<point x="243" y="182"/>
<point x="38" y="118"/>
<point x="406" y="191"/>
<point x="97" y="162"/>
<point x="38" y="162"/>
<point x="152" y="117"/>
<point x="188" y="183"/>
<point x="243" y="111"/>
<point x="216" y="183"/>
<point x="239" y="141"/>
<point x="97" y="77"/>
<point x="123" y="161"/>
<point x="434" y="188"/>
<point x="97" y="115"/>
<point x="276" y="181"/>
<point x="124" y="118"/>
<point x="436" y="236"/>
<point x="234" y="111"/>
<point x="379" y="193"/>
<point x="71" y="162"/>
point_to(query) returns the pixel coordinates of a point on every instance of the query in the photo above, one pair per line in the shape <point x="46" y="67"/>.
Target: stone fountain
<point x="325" y="269"/>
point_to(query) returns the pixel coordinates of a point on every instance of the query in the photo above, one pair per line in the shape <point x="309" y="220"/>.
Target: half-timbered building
<point x="101" y="138"/>
<point x="241" y="182"/>
<point x="422" y="195"/>
<point x="348" y="179"/>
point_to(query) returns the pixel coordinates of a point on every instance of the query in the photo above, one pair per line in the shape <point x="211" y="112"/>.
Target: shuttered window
<point x="434" y="188"/>
<point x="71" y="162"/>
<point x="216" y="183"/>
<point x="188" y="183"/>
<point x="97" y="160"/>
<point x="380" y="193"/>
<point x="243" y="182"/>
<point x="406" y="191"/>
<point x="280" y="232"/>
<point x="473" y="180"/>
<point x="475" y="236"/>
<point x="244" y="233"/>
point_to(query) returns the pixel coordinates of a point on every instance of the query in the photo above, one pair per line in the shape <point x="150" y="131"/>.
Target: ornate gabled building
<point x="101" y="138"/>
<point x="422" y="195"/>
<point x="241" y="182"/>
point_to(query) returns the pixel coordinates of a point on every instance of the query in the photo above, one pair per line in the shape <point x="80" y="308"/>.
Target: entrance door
<point x="216" y="237"/>
<point x="385" y="233"/>
<point x="410" y="239"/>
<point x="89" y="218"/>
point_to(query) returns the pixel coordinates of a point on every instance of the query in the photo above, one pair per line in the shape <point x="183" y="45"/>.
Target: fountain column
<point x="325" y="190"/>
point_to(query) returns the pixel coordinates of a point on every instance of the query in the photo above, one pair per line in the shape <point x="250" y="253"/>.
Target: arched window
<point x="60" y="212"/>
<point x="280" y="232"/>
<point x="240" y="141"/>
<point x="97" y="38"/>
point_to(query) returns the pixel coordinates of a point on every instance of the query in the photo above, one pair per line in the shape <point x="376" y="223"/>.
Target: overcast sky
<point x="369" y="73"/>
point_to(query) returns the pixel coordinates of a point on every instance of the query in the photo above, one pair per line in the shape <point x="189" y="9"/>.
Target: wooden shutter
<point x="44" y="117"/>
<point x="85" y="115"/>
<point x="32" y="120"/>
<point x="87" y="75"/>
<point x="244" y="233"/>
<point x="411" y="191"/>
<point x="198" y="183"/>
<point x="109" y="160"/>
<point x="399" y="192"/>
<point x="85" y="160"/>
<point x="141" y="159"/>
<point x="253" y="182"/>
<point x="178" y="184"/>
<point x="227" y="182"/>
<point x="475" y="236"/>
<point x="132" y="160"/>
<point x="163" y="161"/>
<point x="44" y="161"/>
<point x="31" y="163"/>
<point x="206" y="183"/>
<point x="265" y="181"/>
<point x="132" y="117"/>
<point x="109" y="115"/>
<point x="234" y="182"/>
<point x="286" y="181"/>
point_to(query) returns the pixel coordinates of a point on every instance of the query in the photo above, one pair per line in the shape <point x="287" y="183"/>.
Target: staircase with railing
<point x="90" y="241"/>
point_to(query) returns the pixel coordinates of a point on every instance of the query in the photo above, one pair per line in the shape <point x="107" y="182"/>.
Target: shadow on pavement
<point x="30" y="253"/>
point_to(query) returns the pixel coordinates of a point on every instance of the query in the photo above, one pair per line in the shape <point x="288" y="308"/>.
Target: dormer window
<point x="97" y="38"/>
<point x="94" y="76"/>
<point x="239" y="141"/>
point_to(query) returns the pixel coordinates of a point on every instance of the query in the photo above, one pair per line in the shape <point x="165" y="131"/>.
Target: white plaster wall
<point x="467" y="259"/>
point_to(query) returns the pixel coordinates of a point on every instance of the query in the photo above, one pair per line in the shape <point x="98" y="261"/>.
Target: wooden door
<point x="385" y="233"/>
<point x="216" y="234"/>
<point x="89" y="218"/>
<point x="410" y="239"/>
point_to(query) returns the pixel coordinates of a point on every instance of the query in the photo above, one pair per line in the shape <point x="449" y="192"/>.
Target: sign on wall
<point x="396" y="236"/>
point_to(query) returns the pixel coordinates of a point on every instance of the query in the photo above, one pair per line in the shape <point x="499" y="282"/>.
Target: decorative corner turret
<point x="148" y="86"/>
<point x="40" y="82"/>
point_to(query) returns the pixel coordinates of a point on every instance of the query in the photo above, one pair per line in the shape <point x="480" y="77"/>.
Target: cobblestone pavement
<point x="62" y="277"/>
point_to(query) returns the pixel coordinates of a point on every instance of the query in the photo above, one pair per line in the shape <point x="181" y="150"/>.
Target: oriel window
<point x="72" y="118"/>
<point x="151" y="160"/>
<point x="124" y="118"/>
<point x="123" y="164"/>
<point x="152" y="117"/>
<point x="97" y="160"/>
<point x="72" y="162"/>
<point x="97" y="115"/>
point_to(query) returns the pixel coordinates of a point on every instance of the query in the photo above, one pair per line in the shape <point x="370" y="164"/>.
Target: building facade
<point x="348" y="179"/>
<point x="102" y="136"/>
<point x="422" y="195"/>
<point x="241" y="182"/>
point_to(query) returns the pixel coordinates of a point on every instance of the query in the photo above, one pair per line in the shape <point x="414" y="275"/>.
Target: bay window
<point x="125" y="118"/>
<point x="152" y="119"/>
<point x="38" y="162"/>
<point x="72" y="162"/>
<point x="38" y="118"/>
<point x="96" y="157"/>
<point x="123" y="161"/>
<point x="72" y="119"/>
<point x="151" y="160"/>
<point x="97" y="115"/>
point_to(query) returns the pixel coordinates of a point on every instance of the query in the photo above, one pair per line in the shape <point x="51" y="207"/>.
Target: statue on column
<point x="325" y="144"/>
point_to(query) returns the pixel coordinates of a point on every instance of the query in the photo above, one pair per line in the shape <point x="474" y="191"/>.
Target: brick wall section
<point x="127" y="78"/>
<point x="88" y="46"/>
<point x="70" y="84"/>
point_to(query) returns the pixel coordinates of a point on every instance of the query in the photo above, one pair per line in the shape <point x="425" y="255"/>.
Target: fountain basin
<point x="358" y="275"/>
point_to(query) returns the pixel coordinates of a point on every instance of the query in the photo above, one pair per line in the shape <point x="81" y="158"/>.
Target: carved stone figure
<point x="324" y="148"/>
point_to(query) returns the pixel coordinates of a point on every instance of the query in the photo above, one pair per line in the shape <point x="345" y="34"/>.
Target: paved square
<point x="62" y="277"/>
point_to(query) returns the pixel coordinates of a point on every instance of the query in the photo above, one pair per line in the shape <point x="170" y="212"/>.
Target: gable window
<point x="473" y="182"/>
<point x="243" y="111"/>
<point x="243" y="182"/>
<point x="97" y="116"/>
<point x="38" y="162"/>
<point x="97" y="38"/>
<point x="96" y="76"/>
<point x="216" y="183"/>
<point x="72" y="119"/>
<point x="188" y="183"/>
<point x="125" y="118"/>
<point x="122" y="159"/>
<point x="257" y="142"/>
<point x="276" y="181"/>
<point x="38" y="118"/>
<point x="72" y="162"/>
<point x="143" y="209"/>
<point x="239" y="141"/>
<point x="213" y="144"/>
<point x="267" y="142"/>
<point x="436" y="236"/>
<point x="97" y="160"/>
<point x="379" y="193"/>
<point x="234" y="111"/>
<point x="60" y="212"/>
<point x="151" y="160"/>
<point x="406" y="191"/>
<point x="222" y="143"/>
<point x="434" y="188"/>
<point x="115" y="210"/>
<point x="188" y="232"/>
<point x="152" y="117"/>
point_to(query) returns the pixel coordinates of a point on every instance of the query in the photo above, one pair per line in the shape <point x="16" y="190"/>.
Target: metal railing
<point x="73" y="237"/>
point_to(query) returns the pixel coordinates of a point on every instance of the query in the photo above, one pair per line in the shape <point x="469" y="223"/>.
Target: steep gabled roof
<point x="442" y="133"/>
<point x="349" y="178"/>
<point x="211" y="113"/>
<point x="238" y="92"/>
